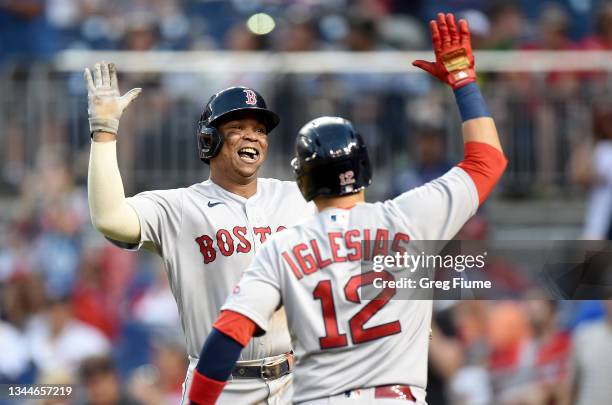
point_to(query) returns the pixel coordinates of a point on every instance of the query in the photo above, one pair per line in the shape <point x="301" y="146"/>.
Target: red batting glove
<point x="454" y="63"/>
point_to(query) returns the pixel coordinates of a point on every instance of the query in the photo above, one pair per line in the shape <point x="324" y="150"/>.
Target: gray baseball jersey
<point x="207" y="237"/>
<point x="342" y="341"/>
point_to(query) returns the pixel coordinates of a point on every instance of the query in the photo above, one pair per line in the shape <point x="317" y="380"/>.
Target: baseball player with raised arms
<point x="350" y="350"/>
<point x="207" y="233"/>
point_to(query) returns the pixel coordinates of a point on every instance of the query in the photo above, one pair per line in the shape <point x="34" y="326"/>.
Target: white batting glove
<point x="105" y="104"/>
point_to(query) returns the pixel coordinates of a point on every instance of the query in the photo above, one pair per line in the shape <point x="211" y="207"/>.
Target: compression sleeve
<point x="110" y="213"/>
<point x="485" y="166"/>
<point x="217" y="359"/>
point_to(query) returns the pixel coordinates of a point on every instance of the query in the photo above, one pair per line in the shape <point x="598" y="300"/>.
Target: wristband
<point x="470" y="102"/>
<point x="110" y="125"/>
<point x="204" y="390"/>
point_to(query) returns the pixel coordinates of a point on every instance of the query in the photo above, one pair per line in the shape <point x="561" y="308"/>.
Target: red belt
<point x="394" y="392"/>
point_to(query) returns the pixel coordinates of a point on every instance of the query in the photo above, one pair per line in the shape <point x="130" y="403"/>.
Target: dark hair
<point x="500" y="7"/>
<point x="96" y="365"/>
<point x="603" y="17"/>
<point x="363" y="24"/>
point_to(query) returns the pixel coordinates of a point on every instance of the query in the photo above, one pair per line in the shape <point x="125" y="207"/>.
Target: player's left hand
<point x="454" y="63"/>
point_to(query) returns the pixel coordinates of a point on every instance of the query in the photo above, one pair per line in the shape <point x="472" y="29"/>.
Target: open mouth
<point x="248" y="154"/>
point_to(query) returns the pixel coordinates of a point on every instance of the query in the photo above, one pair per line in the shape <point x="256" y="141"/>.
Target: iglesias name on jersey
<point x="314" y="270"/>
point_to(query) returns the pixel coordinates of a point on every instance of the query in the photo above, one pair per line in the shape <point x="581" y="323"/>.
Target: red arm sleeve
<point x="235" y="325"/>
<point x="485" y="165"/>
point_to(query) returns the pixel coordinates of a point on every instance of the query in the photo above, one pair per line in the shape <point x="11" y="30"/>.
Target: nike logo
<point x="212" y="204"/>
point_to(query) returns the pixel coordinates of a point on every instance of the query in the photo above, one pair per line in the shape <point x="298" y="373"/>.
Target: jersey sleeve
<point x="160" y="214"/>
<point x="258" y="294"/>
<point x="438" y="209"/>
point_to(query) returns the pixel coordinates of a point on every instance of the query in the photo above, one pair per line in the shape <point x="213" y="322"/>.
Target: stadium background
<point x="76" y="310"/>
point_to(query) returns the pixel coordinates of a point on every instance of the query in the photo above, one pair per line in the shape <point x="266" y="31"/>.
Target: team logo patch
<point x="251" y="97"/>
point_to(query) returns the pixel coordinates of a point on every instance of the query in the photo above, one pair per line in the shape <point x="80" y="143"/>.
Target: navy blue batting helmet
<point x="220" y="107"/>
<point x="331" y="159"/>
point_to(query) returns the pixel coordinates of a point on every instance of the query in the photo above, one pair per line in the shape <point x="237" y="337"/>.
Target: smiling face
<point x="244" y="149"/>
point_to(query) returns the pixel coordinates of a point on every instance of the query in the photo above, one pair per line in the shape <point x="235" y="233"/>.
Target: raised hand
<point x="105" y="104"/>
<point x="452" y="45"/>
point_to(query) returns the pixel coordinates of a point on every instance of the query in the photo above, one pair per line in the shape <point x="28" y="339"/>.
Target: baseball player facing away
<point x="351" y="350"/>
<point x="207" y="233"/>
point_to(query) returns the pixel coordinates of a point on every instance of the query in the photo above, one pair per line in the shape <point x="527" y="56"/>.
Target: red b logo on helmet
<point x="251" y="97"/>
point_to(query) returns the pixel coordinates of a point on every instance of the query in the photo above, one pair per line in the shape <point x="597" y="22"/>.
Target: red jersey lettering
<point x="225" y="242"/>
<point x="243" y="246"/>
<point x="263" y="233"/>
<point x="354" y="244"/>
<point x="207" y="249"/>
<point x="306" y="262"/>
<point x="317" y="254"/>
<point x="292" y="265"/>
<point x="335" y="247"/>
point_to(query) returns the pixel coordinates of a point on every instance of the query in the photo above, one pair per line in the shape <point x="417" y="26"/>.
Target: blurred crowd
<point x="554" y="125"/>
<point x="76" y="310"/>
<point x="37" y="29"/>
<point x="531" y="352"/>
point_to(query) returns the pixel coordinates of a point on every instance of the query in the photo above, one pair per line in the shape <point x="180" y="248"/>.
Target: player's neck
<point x="246" y="190"/>
<point x="345" y="201"/>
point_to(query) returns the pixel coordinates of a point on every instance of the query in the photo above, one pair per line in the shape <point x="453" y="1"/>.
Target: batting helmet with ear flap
<point x="331" y="159"/>
<point x="220" y="107"/>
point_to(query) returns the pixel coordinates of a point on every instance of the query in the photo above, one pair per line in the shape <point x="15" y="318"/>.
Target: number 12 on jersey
<point x="333" y="338"/>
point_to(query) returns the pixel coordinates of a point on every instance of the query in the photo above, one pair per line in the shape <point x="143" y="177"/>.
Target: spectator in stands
<point x="61" y="342"/>
<point x="15" y="359"/>
<point x="156" y="308"/>
<point x="508" y="25"/>
<point x="598" y="222"/>
<point x="445" y="355"/>
<point x="93" y="298"/>
<point x="553" y="29"/>
<point x="102" y="383"/>
<point x="239" y="38"/>
<point x="591" y="365"/>
<point x="142" y="33"/>
<point x="362" y="34"/>
<point x="56" y="211"/>
<point x="471" y="383"/>
<point x="22" y="299"/>
<point x="507" y="333"/>
<point x="299" y="34"/>
<point x="54" y="378"/>
<point x="160" y="383"/>
<point x="602" y="39"/>
<point x="547" y="351"/>
<point x="15" y="252"/>
<point x="529" y="353"/>
<point x="171" y="360"/>
<point x="430" y="156"/>
<point x="26" y="34"/>
<point x="480" y="27"/>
